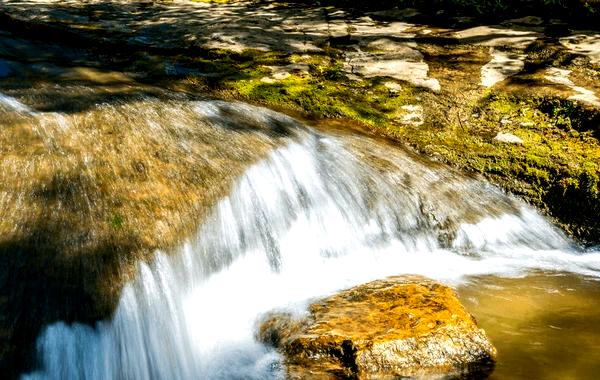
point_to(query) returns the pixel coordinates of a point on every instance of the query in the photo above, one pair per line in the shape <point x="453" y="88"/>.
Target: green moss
<point x="324" y="91"/>
<point x="117" y="221"/>
<point x="555" y="168"/>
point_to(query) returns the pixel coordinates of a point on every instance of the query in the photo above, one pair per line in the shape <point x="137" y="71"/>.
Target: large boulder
<point x="398" y="327"/>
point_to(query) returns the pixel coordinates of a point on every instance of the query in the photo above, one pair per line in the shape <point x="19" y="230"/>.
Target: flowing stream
<point x="322" y="212"/>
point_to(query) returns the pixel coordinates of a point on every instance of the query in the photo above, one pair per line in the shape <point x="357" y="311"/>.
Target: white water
<point x="309" y="220"/>
<point x="13" y="104"/>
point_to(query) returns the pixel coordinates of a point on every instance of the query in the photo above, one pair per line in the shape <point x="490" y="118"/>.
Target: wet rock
<point x="404" y="326"/>
<point x="508" y="138"/>
<point x="110" y="171"/>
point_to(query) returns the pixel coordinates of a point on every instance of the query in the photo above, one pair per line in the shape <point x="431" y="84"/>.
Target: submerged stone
<point x="406" y="326"/>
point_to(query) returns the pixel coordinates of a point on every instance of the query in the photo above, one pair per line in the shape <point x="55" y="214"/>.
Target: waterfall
<point x="13" y="104"/>
<point x="317" y="215"/>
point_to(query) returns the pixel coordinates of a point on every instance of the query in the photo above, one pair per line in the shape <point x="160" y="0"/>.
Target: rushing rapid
<point x="319" y="214"/>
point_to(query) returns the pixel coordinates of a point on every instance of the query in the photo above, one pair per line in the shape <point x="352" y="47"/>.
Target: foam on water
<point x="309" y="220"/>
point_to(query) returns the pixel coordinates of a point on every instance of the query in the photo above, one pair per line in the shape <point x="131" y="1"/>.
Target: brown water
<point x="544" y="325"/>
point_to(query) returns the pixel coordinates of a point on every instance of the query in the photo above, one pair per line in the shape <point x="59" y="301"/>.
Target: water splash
<point x="13" y="104"/>
<point x="314" y="217"/>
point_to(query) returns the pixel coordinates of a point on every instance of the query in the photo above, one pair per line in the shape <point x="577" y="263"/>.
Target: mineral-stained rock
<point x="406" y="326"/>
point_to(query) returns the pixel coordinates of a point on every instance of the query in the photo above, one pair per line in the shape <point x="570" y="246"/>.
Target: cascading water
<point x="13" y="104"/>
<point x="318" y="215"/>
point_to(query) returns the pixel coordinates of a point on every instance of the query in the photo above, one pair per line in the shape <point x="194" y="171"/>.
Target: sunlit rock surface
<point x="561" y="77"/>
<point x="506" y="49"/>
<point x="405" y="65"/>
<point x="502" y="66"/>
<point x="397" y="327"/>
<point x="497" y="36"/>
<point x="586" y="43"/>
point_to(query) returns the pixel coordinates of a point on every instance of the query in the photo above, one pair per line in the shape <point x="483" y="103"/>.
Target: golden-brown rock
<point x="398" y="327"/>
